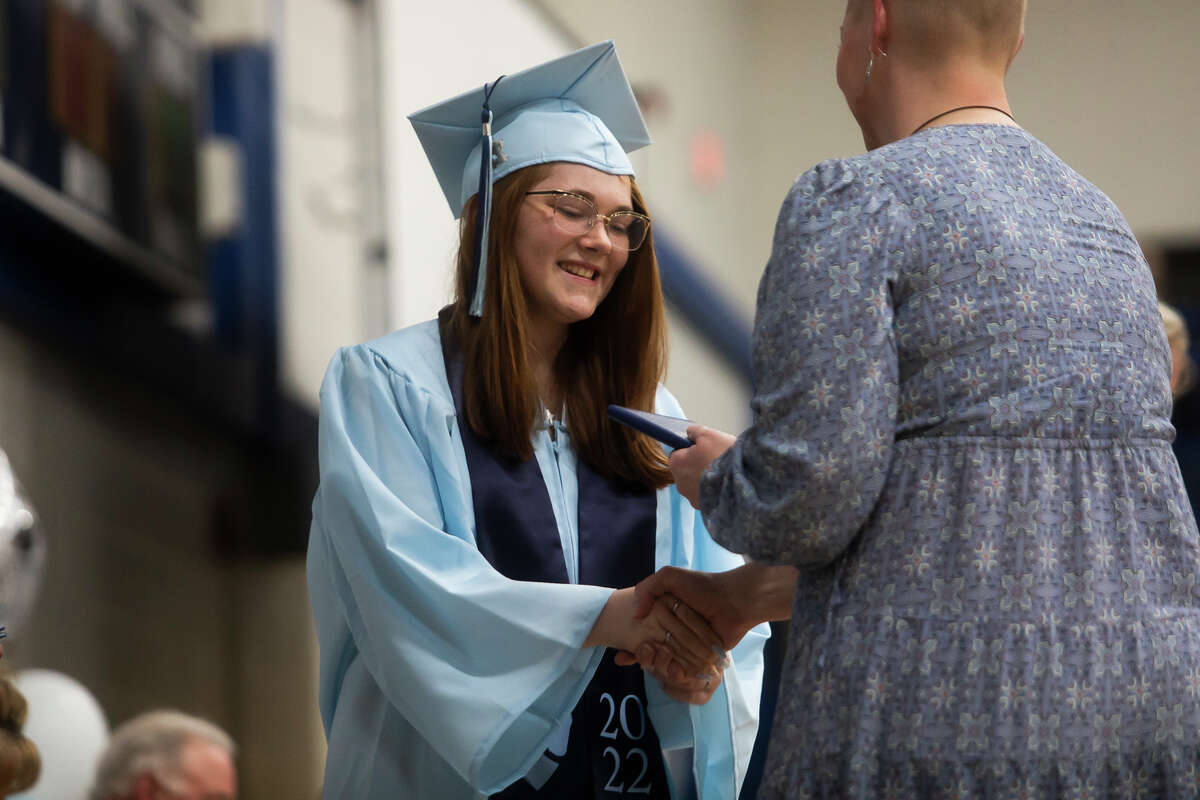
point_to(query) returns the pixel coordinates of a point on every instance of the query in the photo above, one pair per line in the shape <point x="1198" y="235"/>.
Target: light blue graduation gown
<point x="440" y="677"/>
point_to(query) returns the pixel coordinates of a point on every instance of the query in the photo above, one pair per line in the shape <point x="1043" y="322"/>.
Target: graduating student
<point x="478" y="513"/>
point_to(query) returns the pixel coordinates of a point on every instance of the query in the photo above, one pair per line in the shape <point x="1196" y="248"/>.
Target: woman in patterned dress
<point x="961" y="446"/>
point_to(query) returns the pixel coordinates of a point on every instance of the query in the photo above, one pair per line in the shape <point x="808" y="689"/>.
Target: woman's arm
<point x="799" y="483"/>
<point x="733" y="601"/>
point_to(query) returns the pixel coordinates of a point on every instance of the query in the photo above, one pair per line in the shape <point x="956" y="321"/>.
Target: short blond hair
<point x="1180" y="342"/>
<point x="1177" y="333"/>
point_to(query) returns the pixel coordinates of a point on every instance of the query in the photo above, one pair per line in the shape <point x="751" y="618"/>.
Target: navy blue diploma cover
<point x="671" y="431"/>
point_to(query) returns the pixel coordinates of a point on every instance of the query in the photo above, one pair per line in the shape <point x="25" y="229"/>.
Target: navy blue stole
<point x="612" y="750"/>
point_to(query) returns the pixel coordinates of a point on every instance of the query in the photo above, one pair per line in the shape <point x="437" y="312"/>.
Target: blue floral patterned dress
<point x="961" y="435"/>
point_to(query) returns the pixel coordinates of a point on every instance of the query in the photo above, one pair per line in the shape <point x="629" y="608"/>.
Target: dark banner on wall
<point x="100" y="106"/>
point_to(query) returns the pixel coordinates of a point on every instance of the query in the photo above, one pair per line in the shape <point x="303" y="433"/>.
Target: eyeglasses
<point x="577" y="215"/>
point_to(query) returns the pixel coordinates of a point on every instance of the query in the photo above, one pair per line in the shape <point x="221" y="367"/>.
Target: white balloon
<point x="70" y="731"/>
<point x="22" y="552"/>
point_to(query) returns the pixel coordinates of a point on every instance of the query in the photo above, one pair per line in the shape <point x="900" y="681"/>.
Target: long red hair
<point x="618" y="355"/>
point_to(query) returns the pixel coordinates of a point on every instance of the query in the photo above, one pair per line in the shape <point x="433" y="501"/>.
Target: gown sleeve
<point x="482" y="666"/>
<point x="727" y="725"/>
<point x="801" y="481"/>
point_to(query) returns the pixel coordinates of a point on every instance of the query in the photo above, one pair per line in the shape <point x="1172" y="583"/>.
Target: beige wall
<point x="324" y="195"/>
<point x="1113" y="88"/>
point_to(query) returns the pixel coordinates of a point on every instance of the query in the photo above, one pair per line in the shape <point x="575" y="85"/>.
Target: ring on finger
<point x="668" y="639"/>
<point x="675" y="607"/>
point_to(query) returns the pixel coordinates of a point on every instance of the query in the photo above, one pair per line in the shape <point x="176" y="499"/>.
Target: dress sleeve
<point x="483" y="666"/>
<point x="801" y="481"/>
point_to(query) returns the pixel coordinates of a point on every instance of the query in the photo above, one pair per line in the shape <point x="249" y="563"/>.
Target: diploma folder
<point x="671" y="431"/>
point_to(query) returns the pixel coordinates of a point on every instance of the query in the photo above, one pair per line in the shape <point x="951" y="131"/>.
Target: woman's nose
<point x="597" y="237"/>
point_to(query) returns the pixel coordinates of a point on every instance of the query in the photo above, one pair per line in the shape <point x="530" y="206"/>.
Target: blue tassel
<point x="483" y="205"/>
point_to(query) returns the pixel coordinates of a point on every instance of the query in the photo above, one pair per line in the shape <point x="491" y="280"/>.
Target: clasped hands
<point x="670" y="641"/>
<point x="705" y="614"/>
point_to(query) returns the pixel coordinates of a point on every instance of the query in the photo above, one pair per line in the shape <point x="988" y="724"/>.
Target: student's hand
<point x="678" y="684"/>
<point x="666" y="623"/>
<point x="689" y="463"/>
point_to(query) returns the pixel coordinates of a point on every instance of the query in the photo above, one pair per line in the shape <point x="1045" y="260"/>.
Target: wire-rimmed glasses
<point x="576" y="215"/>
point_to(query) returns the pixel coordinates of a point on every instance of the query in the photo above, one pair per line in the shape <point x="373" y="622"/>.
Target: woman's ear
<point x="880" y="30"/>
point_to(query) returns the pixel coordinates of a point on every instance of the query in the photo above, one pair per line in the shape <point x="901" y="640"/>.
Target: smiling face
<point x="566" y="276"/>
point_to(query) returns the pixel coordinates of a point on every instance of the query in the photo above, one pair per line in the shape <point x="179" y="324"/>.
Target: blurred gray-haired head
<point x="22" y="551"/>
<point x="152" y="743"/>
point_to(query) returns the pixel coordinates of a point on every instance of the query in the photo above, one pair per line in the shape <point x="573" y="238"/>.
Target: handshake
<point x="679" y="624"/>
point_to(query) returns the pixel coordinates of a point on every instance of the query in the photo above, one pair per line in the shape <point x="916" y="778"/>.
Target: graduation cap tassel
<point x="484" y="205"/>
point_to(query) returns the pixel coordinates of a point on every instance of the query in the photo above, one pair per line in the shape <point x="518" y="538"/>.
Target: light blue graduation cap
<point x="578" y="108"/>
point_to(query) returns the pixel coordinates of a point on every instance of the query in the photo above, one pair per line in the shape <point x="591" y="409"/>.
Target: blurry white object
<point x="70" y="731"/>
<point x="220" y="186"/>
<point x="86" y="178"/>
<point x="22" y="554"/>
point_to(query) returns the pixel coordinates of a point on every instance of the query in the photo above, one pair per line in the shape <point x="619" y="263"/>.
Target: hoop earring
<point x="871" y="60"/>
